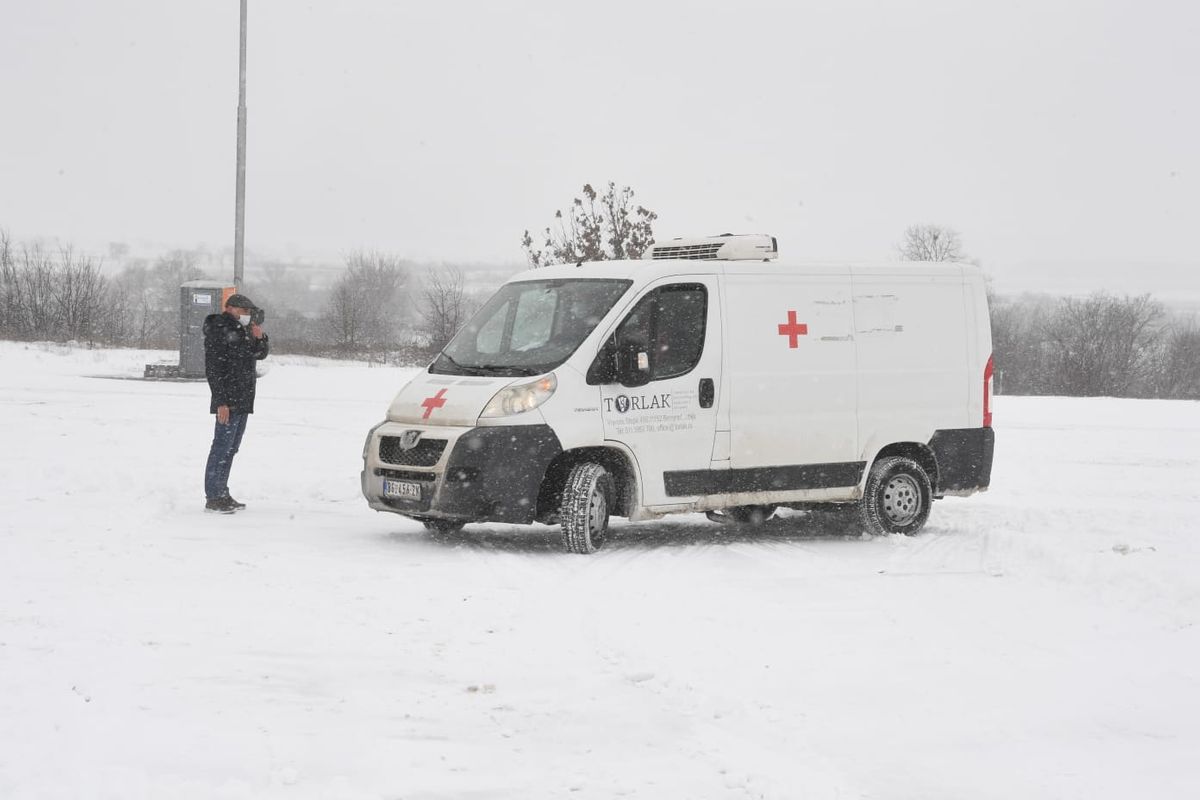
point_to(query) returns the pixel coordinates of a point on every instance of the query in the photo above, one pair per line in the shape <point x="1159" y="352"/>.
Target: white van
<point x="709" y="377"/>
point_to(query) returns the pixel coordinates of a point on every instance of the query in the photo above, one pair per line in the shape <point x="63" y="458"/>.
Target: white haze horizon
<point x="1174" y="283"/>
<point x="1057" y="138"/>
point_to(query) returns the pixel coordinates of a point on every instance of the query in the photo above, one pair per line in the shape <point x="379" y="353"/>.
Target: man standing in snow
<point x="233" y="342"/>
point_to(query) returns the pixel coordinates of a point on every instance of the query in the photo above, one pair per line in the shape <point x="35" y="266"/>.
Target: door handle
<point x="708" y="392"/>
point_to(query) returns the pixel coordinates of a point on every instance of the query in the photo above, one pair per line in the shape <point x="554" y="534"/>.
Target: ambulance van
<point x="709" y="377"/>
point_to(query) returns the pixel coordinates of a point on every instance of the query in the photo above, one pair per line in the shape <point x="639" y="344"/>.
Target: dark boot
<point x="234" y="504"/>
<point x="219" y="505"/>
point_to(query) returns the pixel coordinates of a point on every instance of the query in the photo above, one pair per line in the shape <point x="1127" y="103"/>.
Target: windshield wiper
<point x="454" y="363"/>
<point x="478" y="369"/>
<point x="466" y="369"/>
<point x="509" y="367"/>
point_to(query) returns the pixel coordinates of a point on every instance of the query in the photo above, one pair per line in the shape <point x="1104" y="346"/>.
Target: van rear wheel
<point x="583" y="514"/>
<point x="896" y="498"/>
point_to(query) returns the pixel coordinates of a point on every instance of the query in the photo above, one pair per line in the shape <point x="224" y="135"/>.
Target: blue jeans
<point x="225" y="443"/>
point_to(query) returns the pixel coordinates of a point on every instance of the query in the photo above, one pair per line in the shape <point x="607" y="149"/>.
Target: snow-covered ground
<point x="1038" y="641"/>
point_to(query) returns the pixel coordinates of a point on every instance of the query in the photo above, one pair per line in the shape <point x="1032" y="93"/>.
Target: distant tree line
<point x="380" y="307"/>
<point x="52" y="294"/>
<point x="1093" y="346"/>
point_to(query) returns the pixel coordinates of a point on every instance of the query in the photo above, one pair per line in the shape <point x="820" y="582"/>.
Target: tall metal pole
<point x="239" y="225"/>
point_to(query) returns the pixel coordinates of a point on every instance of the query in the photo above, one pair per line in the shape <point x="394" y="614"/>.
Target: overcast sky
<point x="1043" y="131"/>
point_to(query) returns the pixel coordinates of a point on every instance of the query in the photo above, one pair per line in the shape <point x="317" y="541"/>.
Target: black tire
<point x="750" y="515"/>
<point x="897" y="497"/>
<point x="442" y="525"/>
<point x="586" y="499"/>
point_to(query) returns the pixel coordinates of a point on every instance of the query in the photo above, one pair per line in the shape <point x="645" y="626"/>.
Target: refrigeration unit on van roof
<point x="726" y="247"/>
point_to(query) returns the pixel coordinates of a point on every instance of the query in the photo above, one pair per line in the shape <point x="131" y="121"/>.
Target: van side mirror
<point x="633" y="364"/>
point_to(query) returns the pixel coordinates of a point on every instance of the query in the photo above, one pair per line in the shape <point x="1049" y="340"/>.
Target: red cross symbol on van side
<point x="792" y="330"/>
<point x="430" y="403"/>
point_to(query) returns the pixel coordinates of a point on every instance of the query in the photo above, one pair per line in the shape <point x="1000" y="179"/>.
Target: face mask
<point x="244" y="319"/>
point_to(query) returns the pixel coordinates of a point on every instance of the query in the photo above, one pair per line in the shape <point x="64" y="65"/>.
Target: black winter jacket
<point x="229" y="355"/>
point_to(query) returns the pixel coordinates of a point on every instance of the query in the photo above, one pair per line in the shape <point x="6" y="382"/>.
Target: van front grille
<point x="424" y="454"/>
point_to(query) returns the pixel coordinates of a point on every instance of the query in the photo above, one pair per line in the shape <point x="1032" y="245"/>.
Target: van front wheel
<point x="897" y="497"/>
<point x="583" y="514"/>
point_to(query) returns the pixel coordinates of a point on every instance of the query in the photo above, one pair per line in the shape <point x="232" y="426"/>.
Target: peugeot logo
<point x="408" y="439"/>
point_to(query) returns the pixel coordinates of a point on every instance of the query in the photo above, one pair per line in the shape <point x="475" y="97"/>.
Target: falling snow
<point x="1037" y="641"/>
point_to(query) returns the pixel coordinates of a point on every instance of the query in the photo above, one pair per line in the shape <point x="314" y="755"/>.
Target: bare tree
<point x="1019" y="344"/>
<point x="116" y="320"/>
<point x="36" y="305"/>
<point x="292" y="303"/>
<point x="369" y="302"/>
<point x="630" y="231"/>
<point x="444" y="307"/>
<point x="931" y="243"/>
<point x="170" y="272"/>
<point x="594" y="228"/>
<point x="43" y="296"/>
<point x="343" y="316"/>
<point x="135" y="317"/>
<point x="79" y="294"/>
<point x="1178" y="369"/>
<point x="9" y="326"/>
<point x="1102" y="345"/>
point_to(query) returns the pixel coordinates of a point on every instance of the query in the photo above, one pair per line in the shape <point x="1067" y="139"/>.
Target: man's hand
<point x="256" y="331"/>
<point x="223" y="415"/>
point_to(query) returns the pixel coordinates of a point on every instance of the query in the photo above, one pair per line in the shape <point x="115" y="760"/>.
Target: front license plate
<point x="404" y="490"/>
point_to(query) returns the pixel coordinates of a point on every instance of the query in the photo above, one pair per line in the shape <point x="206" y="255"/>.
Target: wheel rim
<point x="597" y="515"/>
<point x="901" y="501"/>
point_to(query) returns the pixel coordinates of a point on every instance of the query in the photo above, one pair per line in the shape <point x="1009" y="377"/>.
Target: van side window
<point x="679" y="330"/>
<point x="669" y="325"/>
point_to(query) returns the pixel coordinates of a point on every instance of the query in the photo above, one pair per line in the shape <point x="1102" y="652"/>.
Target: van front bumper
<point x="482" y="474"/>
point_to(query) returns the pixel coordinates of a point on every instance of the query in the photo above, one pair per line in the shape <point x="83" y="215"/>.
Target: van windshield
<point x="529" y="327"/>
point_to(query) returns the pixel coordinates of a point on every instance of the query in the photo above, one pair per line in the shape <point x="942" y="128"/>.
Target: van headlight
<point x="521" y="397"/>
<point x="371" y="433"/>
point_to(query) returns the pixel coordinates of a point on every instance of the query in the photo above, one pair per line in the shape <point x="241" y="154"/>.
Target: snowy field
<point x="1038" y="641"/>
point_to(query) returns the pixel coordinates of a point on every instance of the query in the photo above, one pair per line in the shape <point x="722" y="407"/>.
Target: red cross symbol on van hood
<point x="793" y="329"/>
<point x="430" y="403"/>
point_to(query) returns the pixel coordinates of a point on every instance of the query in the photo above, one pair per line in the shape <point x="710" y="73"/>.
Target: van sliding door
<point x="791" y="377"/>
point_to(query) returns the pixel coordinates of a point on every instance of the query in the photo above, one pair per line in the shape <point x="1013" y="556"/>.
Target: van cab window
<point x="491" y="334"/>
<point x="668" y="324"/>
<point x="534" y="322"/>
<point x="529" y="327"/>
